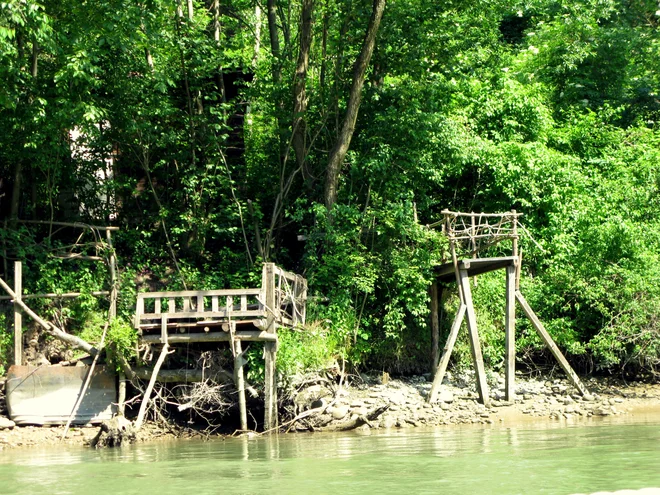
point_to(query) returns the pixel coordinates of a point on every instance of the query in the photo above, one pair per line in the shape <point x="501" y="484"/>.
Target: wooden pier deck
<point x="228" y="315"/>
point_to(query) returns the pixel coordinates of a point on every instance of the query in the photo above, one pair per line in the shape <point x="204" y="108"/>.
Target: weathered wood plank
<point x="206" y="314"/>
<point x="205" y="293"/>
<point x="257" y="322"/>
<point x="214" y="304"/>
<point x="510" y="334"/>
<point x="543" y="333"/>
<point x="246" y="335"/>
<point x="477" y="357"/>
<point x="446" y="354"/>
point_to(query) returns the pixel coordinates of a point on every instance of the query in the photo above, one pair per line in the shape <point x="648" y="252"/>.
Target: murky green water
<point x="535" y="458"/>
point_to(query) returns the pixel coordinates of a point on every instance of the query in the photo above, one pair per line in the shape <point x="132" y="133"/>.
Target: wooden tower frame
<point x="472" y="232"/>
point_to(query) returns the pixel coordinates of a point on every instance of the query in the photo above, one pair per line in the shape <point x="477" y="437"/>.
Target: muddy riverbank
<point x="401" y="403"/>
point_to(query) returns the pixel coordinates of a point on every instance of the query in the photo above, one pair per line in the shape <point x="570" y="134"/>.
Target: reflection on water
<point x="532" y="458"/>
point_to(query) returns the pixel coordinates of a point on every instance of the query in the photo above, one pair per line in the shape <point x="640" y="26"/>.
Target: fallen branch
<point x="351" y="424"/>
<point x="150" y="387"/>
<point x="49" y="327"/>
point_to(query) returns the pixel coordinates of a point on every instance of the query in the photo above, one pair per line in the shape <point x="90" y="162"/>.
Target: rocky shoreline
<point x="378" y="402"/>
<point x="457" y="404"/>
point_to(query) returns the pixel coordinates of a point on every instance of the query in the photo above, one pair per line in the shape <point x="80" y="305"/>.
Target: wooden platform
<point x="227" y="315"/>
<point x="472" y="233"/>
<point x="474" y="266"/>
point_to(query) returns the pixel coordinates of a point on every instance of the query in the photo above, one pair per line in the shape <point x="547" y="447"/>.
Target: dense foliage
<point x="204" y="130"/>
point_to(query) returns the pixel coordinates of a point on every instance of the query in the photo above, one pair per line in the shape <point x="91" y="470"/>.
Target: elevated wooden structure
<point x="472" y="233"/>
<point x="233" y="316"/>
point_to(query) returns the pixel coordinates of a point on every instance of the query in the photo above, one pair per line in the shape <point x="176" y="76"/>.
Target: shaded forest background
<point x="219" y="134"/>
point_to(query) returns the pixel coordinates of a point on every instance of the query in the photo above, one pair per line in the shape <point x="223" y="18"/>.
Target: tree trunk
<point x="343" y="143"/>
<point x="299" y="94"/>
<point x="274" y="40"/>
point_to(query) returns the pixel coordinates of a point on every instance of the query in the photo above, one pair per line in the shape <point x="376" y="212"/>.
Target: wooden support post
<point x="112" y="313"/>
<point x="239" y="380"/>
<point x="435" y="327"/>
<point x="18" y="315"/>
<point x="270" y="387"/>
<point x="163" y="329"/>
<point x="121" y="397"/>
<point x="543" y="333"/>
<point x="270" y="348"/>
<point x="510" y="334"/>
<point x="477" y="357"/>
<point x="446" y="354"/>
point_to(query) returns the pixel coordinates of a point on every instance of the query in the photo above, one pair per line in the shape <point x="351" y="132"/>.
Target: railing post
<point x="18" y="315"/>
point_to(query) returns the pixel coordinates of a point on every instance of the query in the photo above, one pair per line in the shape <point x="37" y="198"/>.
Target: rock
<point x="588" y="398"/>
<point x="388" y="422"/>
<point x="6" y="423"/>
<point x="340" y="412"/>
<point x="357" y="403"/>
<point x="360" y="411"/>
<point x="446" y="396"/>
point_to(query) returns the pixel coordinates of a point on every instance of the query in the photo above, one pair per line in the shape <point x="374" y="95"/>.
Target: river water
<point x="534" y="457"/>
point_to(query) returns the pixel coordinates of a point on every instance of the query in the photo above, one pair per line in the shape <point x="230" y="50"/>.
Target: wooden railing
<point x="280" y="300"/>
<point x="473" y="232"/>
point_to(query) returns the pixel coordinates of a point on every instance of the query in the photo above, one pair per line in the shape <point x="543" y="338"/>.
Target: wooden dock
<point x="228" y="315"/>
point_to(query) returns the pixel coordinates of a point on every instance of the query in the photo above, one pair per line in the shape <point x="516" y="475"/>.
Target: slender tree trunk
<point x="324" y="49"/>
<point x="274" y="40"/>
<point x="257" y="34"/>
<point x="299" y="93"/>
<point x="338" y="152"/>
<point x="16" y="193"/>
<point x="35" y="60"/>
<point x="217" y="29"/>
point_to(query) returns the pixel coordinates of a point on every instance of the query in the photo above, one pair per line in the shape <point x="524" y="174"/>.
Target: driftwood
<point x="351" y="424"/>
<point x="56" y="332"/>
<point x="150" y="387"/>
<point x="114" y="432"/>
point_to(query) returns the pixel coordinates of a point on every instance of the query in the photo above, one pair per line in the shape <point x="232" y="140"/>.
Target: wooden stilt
<point x="446" y="354"/>
<point x="239" y="380"/>
<point x="477" y="357"/>
<point x="18" y="315"/>
<point x="270" y="348"/>
<point x="121" y="396"/>
<point x="270" y="390"/>
<point x="543" y="333"/>
<point x="510" y="334"/>
<point x="435" y="327"/>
